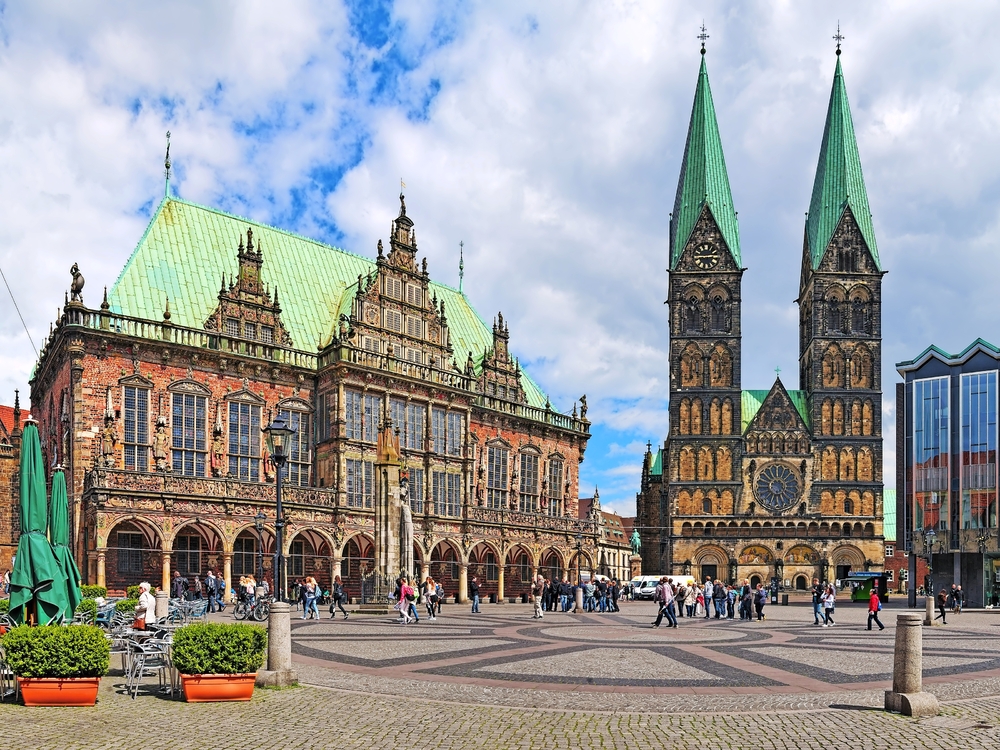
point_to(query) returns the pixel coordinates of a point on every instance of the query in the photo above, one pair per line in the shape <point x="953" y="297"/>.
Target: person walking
<point x="211" y="582"/>
<point x="760" y="599"/>
<point x="145" y="608"/>
<point x="664" y="597"/>
<point x="537" y="587"/>
<point x="197" y="588"/>
<point x="959" y="599"/>
<point x="817" y="597"/>
<point x="718" y="598"/>
<point x="430" y="597"/>
<point x="874" y="605"/>
<point x="178" y="586"/>
<point x="730" y="602"/>
<point x="338" y="596"/>
<point x="474" y="592"/>
<point x="707" y="592"/>
<point x="942" y="602"/>
<point x="403" y="601"/>
<point x="564" y="593"/>
<point x="691" y="600"/>
<point x="829" y="605"/>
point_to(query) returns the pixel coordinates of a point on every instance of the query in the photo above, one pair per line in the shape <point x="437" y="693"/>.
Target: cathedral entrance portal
<point x="709" y="571"/>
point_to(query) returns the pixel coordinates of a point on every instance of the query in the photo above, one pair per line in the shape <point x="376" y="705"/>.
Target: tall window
<point x="414" y="294"/>
<point x="931" y="425"/>
<point x="496" y="477"/>
<point x="394" y="320"/>
<point x="979" y="449"/>
<point x="394" y="288"/>
<point x="455" y="434"/>
<point x="136" y="418"/>
<point x="323" y="402"/>
<point x="416" y="416"/>
<point x="188" y="433"/>
<point x="299" y="458"/>
<point x="397" y="413"/>
<point x="186" y="556"/>
<point x="438" y="430"/>
<point x="244" y="554"/>
<point x="244" y="441"/>
<point x="361" y="412"/>
<point x="297" y="560"/>
<point x="529" y="483"/>
<point x="447" y="491"/>
<point x="360" y="483"/>
<point x="416" y="490"/>
<point x="129" y="552"/>
<point x="414" y="327"/>
<point x="555" y="491"/>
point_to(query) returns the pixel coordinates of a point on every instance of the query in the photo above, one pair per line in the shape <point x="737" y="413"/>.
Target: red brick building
<point x="154" y="401"/>
<point x="10" y="458"/>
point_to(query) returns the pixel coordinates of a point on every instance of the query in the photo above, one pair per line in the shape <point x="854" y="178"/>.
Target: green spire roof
<point x="703" y="179"/>
<point x="839" y="183"/>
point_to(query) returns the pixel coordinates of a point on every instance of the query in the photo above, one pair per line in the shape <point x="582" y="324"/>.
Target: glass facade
<point x="931" y="427"/>
<point x="979" y="446"/>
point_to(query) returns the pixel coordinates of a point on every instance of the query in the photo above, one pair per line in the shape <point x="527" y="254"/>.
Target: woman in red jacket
<point x="874" y="605"/>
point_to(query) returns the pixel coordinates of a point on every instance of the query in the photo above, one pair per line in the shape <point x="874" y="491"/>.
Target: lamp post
<point x="278" y="435"/>
<point x="258" y="522"/>
<point x="578" y="599"/>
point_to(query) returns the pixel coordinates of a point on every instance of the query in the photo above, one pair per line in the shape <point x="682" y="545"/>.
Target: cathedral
<point x="774" y="484"/>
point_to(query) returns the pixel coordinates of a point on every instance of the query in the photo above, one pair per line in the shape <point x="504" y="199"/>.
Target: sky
<point x="545" y="136"/>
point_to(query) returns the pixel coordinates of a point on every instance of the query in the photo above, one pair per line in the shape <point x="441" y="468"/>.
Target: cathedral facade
<point x="769" y="484"/>
<point x="154" y="401"/>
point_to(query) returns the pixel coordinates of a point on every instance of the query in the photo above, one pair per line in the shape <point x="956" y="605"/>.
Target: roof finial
<point x="703" y="36"/>
<point x="838" y="38"/>
<point x="461" y="264"/>
<point x="166" y="169"/>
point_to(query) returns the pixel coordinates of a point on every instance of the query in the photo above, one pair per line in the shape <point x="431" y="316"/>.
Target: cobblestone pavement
<point x="370" y="685"/>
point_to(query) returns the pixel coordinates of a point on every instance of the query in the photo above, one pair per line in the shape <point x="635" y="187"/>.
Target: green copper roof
<point x="889" y="515"/>
<point x="839" y="182"/>
<point x="657" y="468"/>
<point x="751" y="401"/>
<point x="703" y="177"/>
<point x="187" y="248"/>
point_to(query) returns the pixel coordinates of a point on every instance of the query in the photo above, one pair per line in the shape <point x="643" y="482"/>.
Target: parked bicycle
<point x="252" y="610"/>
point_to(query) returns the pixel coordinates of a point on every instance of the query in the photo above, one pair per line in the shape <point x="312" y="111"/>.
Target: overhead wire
<point x="11" y="293"/>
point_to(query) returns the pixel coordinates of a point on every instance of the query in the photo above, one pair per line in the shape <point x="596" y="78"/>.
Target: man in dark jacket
<point x="474" y="593"/>
<point x="178" y="586"/>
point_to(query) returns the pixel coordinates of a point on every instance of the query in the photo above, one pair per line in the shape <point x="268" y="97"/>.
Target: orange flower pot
<point x="207" y="688"/>
<point x="59" y="691"/>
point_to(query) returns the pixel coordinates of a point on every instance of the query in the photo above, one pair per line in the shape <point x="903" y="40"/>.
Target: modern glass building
<point x="946" y="469"/>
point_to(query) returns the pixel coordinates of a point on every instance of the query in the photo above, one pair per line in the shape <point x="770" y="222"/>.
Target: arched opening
<point x="133" y="555"/>
<point x="801" y="583"/>
<point x="359" y="558"/>
<point x="445" y="568"/>
<point x="551" y="567"/>
<point x="309" y="556"/>
<point x="754" y="581"/>
<point x="196" y="549"/>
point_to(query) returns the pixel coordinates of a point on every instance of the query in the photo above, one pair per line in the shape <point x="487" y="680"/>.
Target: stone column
<point x="162" y="604"/>
<point x="907" y="696"/>
<point x="335" y="568"/>
<point x="279" y="649"/>
<point x="500" y="585"/>
<point x="425" y="570"/>
<point x="165" y="580"/>
<point x="227" y="573"/>
<point x="102" y="579"/>
<point x="463" y="584"/>
<point x="929" y="609"/>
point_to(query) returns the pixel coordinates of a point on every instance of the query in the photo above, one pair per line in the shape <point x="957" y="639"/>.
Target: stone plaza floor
<point x="500" y="679"/>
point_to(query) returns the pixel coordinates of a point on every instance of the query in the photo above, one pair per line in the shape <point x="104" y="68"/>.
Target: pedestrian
<point x="403" y="599"/>
<point x="197" y="588"/>
<point x="708" y="592"/>
<point x="829" y="605"/>
<point x="145" y="609"/>
<point x="681" y="596"/>
<point x="730" y="602"/>
<point x="874" y="606"/>
<point x="718" y="598"/>
<point x="616" y="592"/>
<point x="959" y="599"/>
<point x="6" y="583"/>
<point x="211" y="582"/>
<point x="664" y="597"/>
<point x="746" y="602"/>
<point x="699" y="599"/>
<point x="338" y="598"/>
<point x="178" y="586"/>
<point x="564" y="593"/>
<point x="942" y="601"/>
<point x="588" y="596"/>
<point x="430" y="597"/>
<point x="474" y="592"/>
<point x="817" y="597"/>
<point x="760" y="599"/>
<point x="439" y="590"/>
<point x="691" y="600"/>
<point x="537" y="587"/>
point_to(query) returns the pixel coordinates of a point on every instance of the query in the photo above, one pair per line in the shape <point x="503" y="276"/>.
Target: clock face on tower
<point x="706" y="256"/>
<point x="778" y="487"/>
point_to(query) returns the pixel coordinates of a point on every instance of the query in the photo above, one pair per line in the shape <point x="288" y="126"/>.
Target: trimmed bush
<point x="4" y="606"/>
<point x="95" y="592"/>
<point x="56" y="651"/>
<point x="214" y="648"/>
<point x="127" y="605"/>
<point x="87" y="605"/>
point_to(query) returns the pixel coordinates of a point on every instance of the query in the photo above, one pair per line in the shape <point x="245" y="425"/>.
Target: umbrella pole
<point x="32" y="610"/>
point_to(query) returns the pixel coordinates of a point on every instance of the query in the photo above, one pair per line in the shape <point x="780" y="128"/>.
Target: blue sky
<point x="547" y="137"/>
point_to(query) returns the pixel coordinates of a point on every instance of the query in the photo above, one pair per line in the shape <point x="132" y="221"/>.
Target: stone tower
<point x="840" y="349"/>
<point x="703" y="446"/>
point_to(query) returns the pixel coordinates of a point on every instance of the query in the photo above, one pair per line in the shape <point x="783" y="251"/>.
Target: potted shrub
<point x="56" y="665"/>
<point x="219" y="662"/>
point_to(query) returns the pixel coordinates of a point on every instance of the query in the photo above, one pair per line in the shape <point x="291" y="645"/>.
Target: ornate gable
<point x="777" y="413"/>
<point x="500" y="374"/>
<point x="245" y="309"/>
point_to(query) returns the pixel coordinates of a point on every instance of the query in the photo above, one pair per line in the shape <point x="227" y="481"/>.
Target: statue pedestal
<point x="635" y="563"/>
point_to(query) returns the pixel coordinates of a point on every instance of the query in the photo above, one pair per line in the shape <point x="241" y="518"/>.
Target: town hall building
<point x="776" y="483"/>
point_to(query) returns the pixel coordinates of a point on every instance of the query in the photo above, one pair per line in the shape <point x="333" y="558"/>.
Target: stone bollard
<point x="162" y="604"/>
<point x="579" y="601"/>
<point x="907" y="696"/>
<point x="279" y="649"/>
<point x="929" y="607"/>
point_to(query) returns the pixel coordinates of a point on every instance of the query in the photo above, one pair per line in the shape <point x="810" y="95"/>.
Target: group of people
<point x="213" y="588"/>
<point x="677" y="599"/>
<point x="599" y="595"/>
<point x="407" y="595"/>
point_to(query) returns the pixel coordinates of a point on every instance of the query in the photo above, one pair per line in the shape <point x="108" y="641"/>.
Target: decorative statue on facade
<point x="108" y="437"/>
<point x="635" y="542"/>
<point x="405" y="526"/>
<point x="161" y="445"/>
<point x="583" y="408"/>
<point x="76" y="288"/>
<point x="217" y="460"/>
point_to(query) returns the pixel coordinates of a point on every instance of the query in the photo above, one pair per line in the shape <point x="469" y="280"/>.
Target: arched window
<point x="684" y="423"/>
<point x="720" y="367"/>
<point x="719" y="315"/>
<point x="691" y="367"/>
<point x="706" y="470"/>
<point x="715" y="417"/>
<point x="686" y="468"/>
<point x="827" y="418"/>
<point x="859" y="315"/>
<point x="723" y="464"/>
<point x="835" y="317"/>
<point x="706" y="506"/>
<point x="692" y="314"/>
<point x="861" y="368"/>
<point x="696" y="416"/>
<point x="727" y="417"/>
<point x="838" y="417"/>
<point x="833" y="367"/>
<point x="848" y="507"/>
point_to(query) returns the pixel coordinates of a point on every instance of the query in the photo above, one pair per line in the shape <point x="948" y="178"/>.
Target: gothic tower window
<point x="833" y="367"/>
<point x="719" y="312"/>
<point x="705" y="464"/>
<point x="865" y="465"/>
<point x="686" y="464"/>
<point x="856" y="417"/>
<point x="723" y="464"/>
<point x="861" y="368"/>
<point x="866" y="418"/>
<point x="836" y="316"/>
<point x="691" y="367"/>
<point x="829" y="464"/>
<point x="706" y="506"/>
<point x="692" y="315"/>
<point x="727" y="417"/>
<point x="847" y="465"/>
<point x="859" y="314"/>
<point x="826" y="417"/>
<point x="838" y="417"/>
<point x="696" y="416"/>
<point x="715" y="417"/>
<point x="720" y="367"/>
<point x="684" y="425"/>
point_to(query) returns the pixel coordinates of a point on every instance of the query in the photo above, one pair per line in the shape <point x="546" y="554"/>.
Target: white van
<point x="644" y="587"/>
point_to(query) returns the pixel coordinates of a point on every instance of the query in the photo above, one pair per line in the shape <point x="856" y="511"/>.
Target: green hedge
<point x="94" y="592"/>
<point x="88" y="605"/>
<point x="127" y="605"/>
<point x="56" y="651"/>
<point x="214" y="648"/>
<point x="4" y="606"/>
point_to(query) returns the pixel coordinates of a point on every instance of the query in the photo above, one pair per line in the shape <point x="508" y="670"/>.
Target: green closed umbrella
<point x="59" y="539"/>
<point x="37" y="578"/>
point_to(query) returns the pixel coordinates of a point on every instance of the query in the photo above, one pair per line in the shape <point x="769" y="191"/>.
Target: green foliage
<point x="132" y="592"/>
<point x="94" y="592"/>
<point x="57" y="651"/>
<point x="4" y="606"/>
<point x="126" y="605"/>
<point x="214" y="648"/>
<point x="88" y="605"/>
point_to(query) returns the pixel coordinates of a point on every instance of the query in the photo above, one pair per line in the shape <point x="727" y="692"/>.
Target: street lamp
<point x="258" y="522"/>
<point x="278" y="436"/>
<point x="579" y="554"/>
